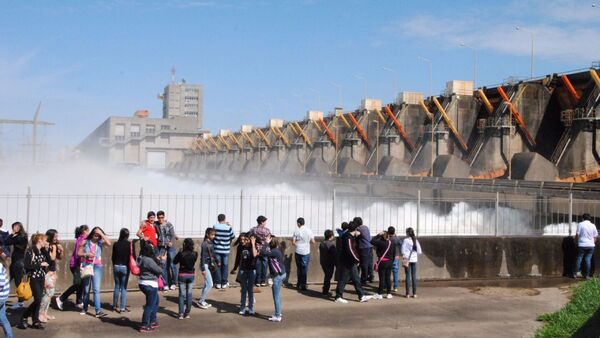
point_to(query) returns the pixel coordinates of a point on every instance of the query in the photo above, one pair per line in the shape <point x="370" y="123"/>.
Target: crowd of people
<point x="259" y="262"/>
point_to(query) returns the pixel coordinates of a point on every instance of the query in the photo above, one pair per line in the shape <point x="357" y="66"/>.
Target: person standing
<point x="223" y="238"/>
<point x="302" y="239"/>
<point x="4" y="234"/>
<point x="586" y="237"/>
<point x="18" y="239"/>
<point x="397" y="245"/>
<point x="186" y="258"/>
<point x="150" y="268"/>
<point x="328" y="259"/>
<point x="207" y="263"/>
<point x="410" y="250"/>
<point x="349" y="262"/>
<point x="261" y="232"/>
<point x="53" y="252"/>
<point x="167" y="243"/>
<point x="35" y="265"/>
<point x="385" y="251"/>
<point x="81" y="233"/>
<point x="365" y="249"/>
<point x="90" y="253"/>
<point x="274" y="257"/>
<point x="121" y="251"/>
<point x="4" y="290"/>
<point x="147" y="231"/>
<point x="245" y="259"/>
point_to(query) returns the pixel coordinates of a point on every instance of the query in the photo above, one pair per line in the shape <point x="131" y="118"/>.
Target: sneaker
<point x="395" y="290"/>
<point x="275" y="319"/>
<point x="83" y="312"/>
<point x="22" y="325"/>
<point x="341" y="301"/>
<point x="377" y="296"/>
<point x="59" y="303"/>
<point x="257" y="285"/>
<point x="263" y="284"/>
<point x="389" y="296"/>
<point x="243" y="311"/>
<point x="79" y="306"/>
<point x="251" y="312"/>
<point x="218" y="286"/>
<point x="187" y="316"/>
<point x="145" y="329"/>
<point x="365" y="298"/>
<point x="100" y="314"/>
<point x="415" y="296"/>
<point x="224" y="286"/>
<point x="180" y="317"/>
<point x="204" y="305"/>
<point x="173" y="287"/>
<point x="17" y="305"/>
<point x="270" y="281"/>
<point x="154" y="325"/>
<point x="123" y="310"/>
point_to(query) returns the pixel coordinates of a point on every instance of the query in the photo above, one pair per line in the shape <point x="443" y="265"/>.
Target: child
<point x="207" y="263"/>
<point x="245" y="259"/>
<point x="327" y="252"/>
<point x="277" y="268"/>
<point x="186" y="258"/>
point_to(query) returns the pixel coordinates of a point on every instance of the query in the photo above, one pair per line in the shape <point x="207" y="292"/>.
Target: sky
<point x="87" y="60"/>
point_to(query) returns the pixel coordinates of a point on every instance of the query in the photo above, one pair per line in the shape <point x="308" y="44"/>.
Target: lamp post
<point x="376" y="122"/>
<point x="364" y="83"/>
<point x="388" y="69"/>
<point x="519" y="28"/>
<point x="462" y="44"/>
<point x="339" y="88"/>
<point x="430" y="71"/>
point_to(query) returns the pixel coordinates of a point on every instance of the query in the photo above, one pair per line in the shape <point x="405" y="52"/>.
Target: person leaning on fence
<point x="349" y="266"/>
<point x="167" y="242"/>
<point x="327" y="258"/>
<point x="4" y="291"/>
<point x="35" y="265"/>
<point x="586" y="237"/>
<point x="223" y="239"/>
<point x="81" y="233"/>
<point x="186" y="258"/>
<point x="121" y="251"/>
<point x="18" y="239"/>
<point x="411" y="249"/>
<point x="53" y="252"/>
<point x="90" y="253"/>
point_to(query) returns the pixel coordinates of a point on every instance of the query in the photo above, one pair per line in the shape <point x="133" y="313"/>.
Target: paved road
<point x="439" y="311"/>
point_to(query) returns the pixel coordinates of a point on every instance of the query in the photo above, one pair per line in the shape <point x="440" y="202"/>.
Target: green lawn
<point x="575" y="319"/>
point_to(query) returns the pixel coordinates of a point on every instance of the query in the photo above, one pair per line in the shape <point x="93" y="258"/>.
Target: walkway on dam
<point x="440" y="311"/>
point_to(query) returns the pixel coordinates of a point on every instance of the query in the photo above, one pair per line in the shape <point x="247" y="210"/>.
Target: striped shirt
<point x="4" y="284"/>
<point x="223" y="238"/>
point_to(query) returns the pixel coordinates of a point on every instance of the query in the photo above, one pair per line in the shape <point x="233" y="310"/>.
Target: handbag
<point x="133" y="266"/>
<point x="24" y="289"/>
<point x="86" y="271"/>
<point x="406" y="261"/>
<point x="376" y="268"/>
<point x="161" y="283"/>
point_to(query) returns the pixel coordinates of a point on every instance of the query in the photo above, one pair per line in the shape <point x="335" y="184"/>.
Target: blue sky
<point x="86" y="60"/>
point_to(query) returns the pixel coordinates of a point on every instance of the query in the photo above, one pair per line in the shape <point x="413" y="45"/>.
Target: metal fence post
<point x="497" y="216"/>
<point x="241" y="209"/>
<point x="141" y="203"/>
<point x="418" y="212"/>
<point x="570" y="213"/>
<point x="27" y="217"/>
<point x="333" y="211"/>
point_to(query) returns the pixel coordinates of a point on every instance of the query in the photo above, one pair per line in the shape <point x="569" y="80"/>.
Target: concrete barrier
<point x="443" y="258"/>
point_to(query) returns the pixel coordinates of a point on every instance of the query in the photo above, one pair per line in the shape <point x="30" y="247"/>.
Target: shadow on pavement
<point x="121" y="322"/>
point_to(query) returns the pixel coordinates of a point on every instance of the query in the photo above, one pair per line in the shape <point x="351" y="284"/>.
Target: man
<point x="302" y="239"/>
<point x="586" y="241"/>
<point x="365" y="250"/>
<point x="349" y="261"/>
<point x="261" y="232"/>
<point x="222" y="243"/>
<point x="167" y="244"/>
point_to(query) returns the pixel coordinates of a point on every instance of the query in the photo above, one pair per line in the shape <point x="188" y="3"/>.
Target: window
<point x="135" y="130"/>
<point x="150" y="129"/>
<point x="165" y="127"/>
<point x="120" y="132"/>
<point x="191" y="113"/>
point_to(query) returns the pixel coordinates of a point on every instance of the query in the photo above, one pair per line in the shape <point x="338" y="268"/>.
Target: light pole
<point x="388" y="69"/>
<point x="339" y="88"/>
<point x="462" y="44"/>
<point x="376" y="122"/>
<point x="519" y="28"/>
<point x="364" y="82"/>
<point x="430" y="71"/>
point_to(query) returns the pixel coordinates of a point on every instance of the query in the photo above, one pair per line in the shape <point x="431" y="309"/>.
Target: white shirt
<point x="407" y="248"/>
<point x="586" y="233"/>
<point x="302" y="236"/>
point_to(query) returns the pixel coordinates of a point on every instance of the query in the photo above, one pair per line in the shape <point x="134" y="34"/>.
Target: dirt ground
<point x="440" y="311"/>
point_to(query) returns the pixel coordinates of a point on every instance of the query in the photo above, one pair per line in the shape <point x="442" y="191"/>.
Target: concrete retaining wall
<point x="443" y="258"/>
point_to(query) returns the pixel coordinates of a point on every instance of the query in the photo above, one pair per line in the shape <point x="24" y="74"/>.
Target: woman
<point x="207" y="263"/>
<point x="186" y="258"/>
<point x="81" y="233"/>
<point x="35" y="265"/>
<point x="150" y="268"/>
<point x="53" y="252"/>
<point x="410" y="250"/>
<point x="245" y="259"/>
<point x="4" y="290"/>
<point x="18" y="239"/>
<point x="274" y="257"/>
<point x="385" y="251"/>
<point x="120" y="260"/>
<point x="90" y="253"/>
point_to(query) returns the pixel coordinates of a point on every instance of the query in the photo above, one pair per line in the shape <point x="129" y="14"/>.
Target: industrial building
<point x="150" y="142"/>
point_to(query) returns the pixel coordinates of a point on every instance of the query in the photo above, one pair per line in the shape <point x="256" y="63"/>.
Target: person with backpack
<point x="121" y="251"/>
<point x="186" y="258"/>
<point x="81" y="233"/>
<point x="18" y="240"/>
<point x="35" y="266"/>
<point x="90" y="253"/>
<point x="385" y="253"/>
<point x="410" y="250"/>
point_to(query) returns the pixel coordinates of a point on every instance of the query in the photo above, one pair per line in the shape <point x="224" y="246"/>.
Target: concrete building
<point x="150" y="142"/>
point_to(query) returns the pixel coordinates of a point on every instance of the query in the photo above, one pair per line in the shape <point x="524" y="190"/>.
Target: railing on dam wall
<point x="191" y="214"/>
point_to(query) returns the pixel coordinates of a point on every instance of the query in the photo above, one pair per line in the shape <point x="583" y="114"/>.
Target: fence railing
<point x="191" y="214"/>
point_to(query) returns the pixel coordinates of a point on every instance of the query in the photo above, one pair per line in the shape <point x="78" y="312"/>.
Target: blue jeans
<point x="186" y="286"/>
<point x="151" y="306"/>
<point x="277" y="282"/>
<point x="302" y="262"/>
<point x="246" y="279"/>
<point x="94" y="282"/>
<point x="585" y="254"/>
<point x="4" y="321"/>
<point x="208" y="284"/>
<point x="261" y="270"/>
<point x="395" y="269"/>
<point x="222" y="268"/>
<point x="121" y="274"/>
<point x="411" y="275"/>
<point x="170" y="269"/>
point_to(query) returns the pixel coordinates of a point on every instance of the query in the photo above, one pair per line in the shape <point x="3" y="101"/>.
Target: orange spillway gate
<point x="359" y="129"/>
<point x="400" y="128"/>
<point x="517" y="116"/>
<point x="565" y="80"/>
<point x="328" y="131"/>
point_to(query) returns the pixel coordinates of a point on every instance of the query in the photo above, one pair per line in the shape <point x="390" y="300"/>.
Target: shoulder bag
<point x="133" y="266"/>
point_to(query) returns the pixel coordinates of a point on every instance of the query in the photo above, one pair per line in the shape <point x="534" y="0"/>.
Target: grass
<point x="568" y="320"/>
